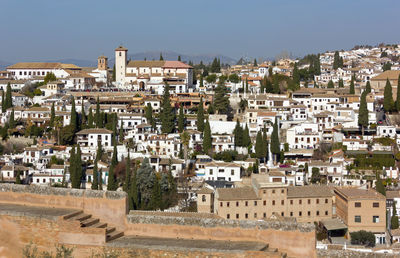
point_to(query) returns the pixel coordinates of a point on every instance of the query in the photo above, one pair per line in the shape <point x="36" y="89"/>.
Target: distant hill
<point x="3" y="65"/>
<point x="170" y="55"/>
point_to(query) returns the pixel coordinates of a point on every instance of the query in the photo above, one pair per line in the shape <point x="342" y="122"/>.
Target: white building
<point x="222" y="171"/>
<point x="91" y="137"/>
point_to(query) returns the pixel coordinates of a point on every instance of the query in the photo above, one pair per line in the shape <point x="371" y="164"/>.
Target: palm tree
<point x="185" y="138"/>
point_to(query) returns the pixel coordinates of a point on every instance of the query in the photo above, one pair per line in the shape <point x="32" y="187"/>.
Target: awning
<point x="333" y="224"/>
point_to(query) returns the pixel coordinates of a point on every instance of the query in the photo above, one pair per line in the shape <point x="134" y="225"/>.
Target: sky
<point x="84" y="29"/>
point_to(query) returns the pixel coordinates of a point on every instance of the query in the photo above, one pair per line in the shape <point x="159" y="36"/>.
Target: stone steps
<point x="86" y="220"/>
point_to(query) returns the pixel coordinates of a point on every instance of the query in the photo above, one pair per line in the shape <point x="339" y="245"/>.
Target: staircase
<point x="86" y="220"/>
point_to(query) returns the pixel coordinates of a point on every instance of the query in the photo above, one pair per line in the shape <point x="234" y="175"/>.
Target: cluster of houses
<point x="318" y="131"/>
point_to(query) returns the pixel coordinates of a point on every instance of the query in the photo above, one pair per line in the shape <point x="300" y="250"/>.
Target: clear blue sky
<point x="84" y="29"/>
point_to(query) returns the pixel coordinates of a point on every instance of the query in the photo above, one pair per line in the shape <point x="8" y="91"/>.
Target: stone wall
<point x="296" y="239"/>
<point x="109" y="206"/>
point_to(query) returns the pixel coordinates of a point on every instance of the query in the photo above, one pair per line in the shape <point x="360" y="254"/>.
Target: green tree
<point x="127" y="183"/>
<point x="74" y="116"/>
<point x="155" y="201"/>
<point x="368" y="87"/>
<point x="114" y="73"/>
<point x="275" y="144"/>
<point x="95" y="183"/>
<point x="315" y="175"/>
<point x="398" y="95"/>
<point x="18" y="177"/>
<point x="207" y="140"/>
<point x="3" y="102"/>
<point x="98" y="120"/>
<point x="352" y="90"/>
<point x="145" y="183"/>
<point x="133" y="192"/>
<point x="149" y="114"/>
<point x="201" y="81"/>
<point x="341" y="84"/>
<point x="221" y="101"/>
<point x="161" y="57"/>
<point x="8" y="100"/>
<point x="394" y="221"/>
<point x="181" y="119"/>
<point x="380" y="188"/>
<point x="238" y="133"/>
<point x="179" y="58"/>
<point x="83" y="115"/>
<point x="90" y="118"/>
<point x="234" y="78"/>
<point x="11" y="123"/>
<point x="50" y="77"/>
<point x="363" y="112"/>
<point x="52" y="116"/>
<point x="259" y="146"/>
<point x="362" y="237"/>
<point x="336" y="60"/>
<point x="112" y="183"/>
<point x="387" y="66"/>
<point x="331" y="85"/>
<point x="246" y="137"/>
<point x="255" y="63"/>
<point x="78" y="168"/>
<point x="246" y="86"/>
<point x="296" y="74"/>
<point x="276" y="88"/>
<point x="200" y="116"/>
<point x="167" y="113"/>
<point x="388" y="97"/>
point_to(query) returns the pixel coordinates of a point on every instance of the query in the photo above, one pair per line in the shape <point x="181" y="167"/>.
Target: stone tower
<point x="102" y="63"/>
<point x="120" y="65"/>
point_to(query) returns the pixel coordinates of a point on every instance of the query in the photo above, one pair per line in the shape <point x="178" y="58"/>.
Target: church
<point x="151" y="76"/>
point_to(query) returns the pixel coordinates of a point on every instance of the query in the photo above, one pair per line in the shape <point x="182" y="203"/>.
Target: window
<point x="232" y="172"/>
<point x="283" y="202"/>
<point x="264" y="192"/>
<point x="273" y="191"/>
<point x="282" y="214"/>
<point x="264" y="203"/>
<point x="237" y="215"/>
<point x="227" y="204"/>
<point x="300" y="213"/>
<point x="255" y="215"/>
<point x="283" y="191"/>
<point x="246" y="203"/>
<point x="308" y="213"/>
<point x="211" y="171"/>
<point x="357" y="219"/>
<point x="203" y="198"/>
<point x="291" y="202"/>
<point x="326" y="213"/>
<point x="273" y="202"/>
<point x="375" y="205"/>
<point x="255" y="203"/>
<point x="375" y="219"/>
<point x="357" y="204"/>
<point x="326" y="200"/>
<point x="317" y="213"/>
<point x="228" y="216"/>
<point x="220" y="204"/>
<point x="299" y="201"/>
<point x="237" y="204"/>
<point x="291" y="214"/>
<point x="309" y="201"/>
<point x="264" y="215"/>
<point x="246" y="215"/>
<point x="317" y="201"/>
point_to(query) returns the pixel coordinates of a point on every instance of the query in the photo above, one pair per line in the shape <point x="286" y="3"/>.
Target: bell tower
<point x="102" y="63"/>
<point x="120" y="65"/>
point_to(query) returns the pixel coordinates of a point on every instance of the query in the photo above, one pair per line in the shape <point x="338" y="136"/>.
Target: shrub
<point x="362" y="237"/>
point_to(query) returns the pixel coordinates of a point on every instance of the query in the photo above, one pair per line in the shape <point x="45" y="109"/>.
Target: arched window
<point x="119" y="53"/>
<point x="203" y="198"/>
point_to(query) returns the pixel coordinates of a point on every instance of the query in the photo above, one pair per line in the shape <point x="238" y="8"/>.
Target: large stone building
<point x="151" y="75"/>
<point x="265" y="199"/>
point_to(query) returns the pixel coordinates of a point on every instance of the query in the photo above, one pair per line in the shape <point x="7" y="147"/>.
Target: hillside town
<point x="309" y="140"/>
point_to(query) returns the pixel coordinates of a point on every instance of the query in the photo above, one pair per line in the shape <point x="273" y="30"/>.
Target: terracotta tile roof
<point x="95" y="131"/>
<point x="390" y="74"/>
<point x="42" y="65"/>
<point x="240" y="193"/>
<point x="141" y="63"/>
<point x="354" y="193"/>
<point x="121" y="48"/>
<point x="309" y="191"/>
<point x="176" y="64"/>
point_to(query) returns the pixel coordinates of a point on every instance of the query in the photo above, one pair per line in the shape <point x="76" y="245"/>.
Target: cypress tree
<point x="341" y="84"/>
<point x="380" y="188"/>
<point x="112" y="184"/>
<point x="398" y="95"/>
<point x="200" y="116"/>
<point x="72" y="167"/>
<point x="74" y="116"/>
<point x="149" y="114"/>
<point x="238" y="133"/>
<point x="264" y="143"/>
<point x="155" y="201"/>
<point x="246" y="137"/>
<point x="98" y="120"/>
<point x="3" y="102"/>
<point x="179" y="58"/>
<point x="330" y="84"/>
<point x="363" y="112"/>
<point x="221" y="101"/>
<point x="296" y="74"/>
<point x="275" y="144"/>
<point x="201" y="81"/>
<point x="341" y="62"/>
<point x="133" y="192"/>
<point x="247" y="86"/>
<point x="18" y="178"/>
<point x="127" y="182"/>
<point x="395" y="219"/>
<point x="100" y="179"/>
<point x="52" y="115"/>
<point x="161" y="57"/>
<point x="114" y="73"/>
<point x="352" y="91"/>
<point x="259" y="146"/>
<point x="207" y="139"/>
<point x="95" y="183"/>
<point x="181" y="119"/>
<point x="268" y="86"/>
<point x="90" y="118"/>
<point x="276" y="89"/>
<point x="78" y="168"/>
<point x="388" y="97"/>
<point x="12" y="120"/>
<point x="317" y="66"/>
<point x="8" y="101"/>
<point x="121" y="133"/>
<point x="336" y="60"/>
<point x="255" y="63"/>
<point x="368" y="87"/>
<point x="83" y="115"/>
<point x="167" y="113"/>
